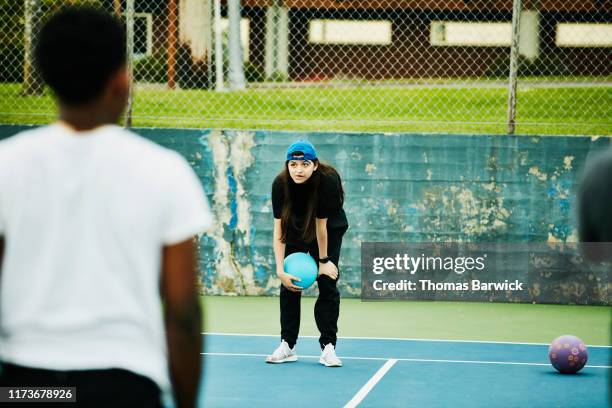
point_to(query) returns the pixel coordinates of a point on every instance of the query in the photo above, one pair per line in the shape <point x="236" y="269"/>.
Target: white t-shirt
<point x="85" y="217"/>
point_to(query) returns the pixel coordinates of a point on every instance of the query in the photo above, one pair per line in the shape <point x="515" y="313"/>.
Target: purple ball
<point x="568" y="354"/>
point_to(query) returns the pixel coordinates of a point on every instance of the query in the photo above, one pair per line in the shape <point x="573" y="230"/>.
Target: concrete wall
<point x="399" y="187"/>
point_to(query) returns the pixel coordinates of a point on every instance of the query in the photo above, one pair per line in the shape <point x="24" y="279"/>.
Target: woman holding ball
<point x="307" y="200"/>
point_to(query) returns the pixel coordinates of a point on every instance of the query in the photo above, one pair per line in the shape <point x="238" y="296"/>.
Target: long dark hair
<point x="308" y="230"/>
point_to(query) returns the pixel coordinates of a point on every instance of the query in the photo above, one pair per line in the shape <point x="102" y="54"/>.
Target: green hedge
<point x="151" y="69"/>
<point x="189" y="75"/>
<point x="544" y="65"/>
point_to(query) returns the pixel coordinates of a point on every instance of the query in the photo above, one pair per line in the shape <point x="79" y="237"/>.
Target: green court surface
<point x="419" y="320"/>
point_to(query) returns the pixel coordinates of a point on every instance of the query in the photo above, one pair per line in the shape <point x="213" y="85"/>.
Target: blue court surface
<point x="398" y="373"/>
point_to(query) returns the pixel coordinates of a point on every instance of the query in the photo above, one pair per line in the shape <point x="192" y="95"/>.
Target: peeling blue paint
<point x="564" y="204"/>
<point x="260" y="274"/>
<point x="416" y="187"/>
<point x="233" y="203"/>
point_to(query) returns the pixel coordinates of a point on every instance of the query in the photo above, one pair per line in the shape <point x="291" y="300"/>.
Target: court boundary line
<point x="397" y="339"/>
<point x="368" y="386"/>
<point x="414" y="360"/>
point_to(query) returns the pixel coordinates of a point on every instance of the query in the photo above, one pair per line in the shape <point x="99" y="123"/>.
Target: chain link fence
<point x="458" y="66"/>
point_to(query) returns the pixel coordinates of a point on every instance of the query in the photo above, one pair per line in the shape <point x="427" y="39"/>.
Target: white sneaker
<point x="283" y="354"/>
<point x="329" y="358"/>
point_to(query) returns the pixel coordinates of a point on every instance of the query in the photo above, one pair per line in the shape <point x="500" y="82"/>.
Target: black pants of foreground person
<point x="327" y="306"/>
<point x="115" y="388"/>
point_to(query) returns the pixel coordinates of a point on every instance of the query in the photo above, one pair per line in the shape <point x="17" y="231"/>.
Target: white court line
<point x="396" y="338"/>
<point x="416" y="360"/>
<point x="361" y="394"/>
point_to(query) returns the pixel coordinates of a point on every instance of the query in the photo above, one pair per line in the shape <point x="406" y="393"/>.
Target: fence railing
<point x="458" y="66"/>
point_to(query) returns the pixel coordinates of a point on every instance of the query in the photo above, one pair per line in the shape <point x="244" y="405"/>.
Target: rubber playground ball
<point x="568" y="354"/>
<point x="303" y="266"/>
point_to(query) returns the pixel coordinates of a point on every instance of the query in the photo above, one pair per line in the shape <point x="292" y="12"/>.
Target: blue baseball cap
<point x="301" y="148"/>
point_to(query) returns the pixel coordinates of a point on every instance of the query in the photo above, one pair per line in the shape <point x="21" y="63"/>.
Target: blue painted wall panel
<point x="399" y="187"/>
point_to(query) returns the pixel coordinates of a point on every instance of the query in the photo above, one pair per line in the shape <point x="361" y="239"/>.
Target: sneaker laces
<point x="282" y="350"/>
<point x="330" y="351"/>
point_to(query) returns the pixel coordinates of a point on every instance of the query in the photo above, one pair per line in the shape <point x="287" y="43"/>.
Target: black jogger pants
<point x="327" y="306"/>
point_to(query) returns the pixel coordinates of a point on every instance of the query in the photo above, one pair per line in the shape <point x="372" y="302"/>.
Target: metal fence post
<point x="218" y="46"/>
<point x="32" y="82"/>
<point x="236" y="67"/>
<point x="129" y="23"/>
<point x="514" y="55"/>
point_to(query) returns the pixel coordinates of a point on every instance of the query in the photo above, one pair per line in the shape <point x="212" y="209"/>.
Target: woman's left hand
<point x="328" y="268"/>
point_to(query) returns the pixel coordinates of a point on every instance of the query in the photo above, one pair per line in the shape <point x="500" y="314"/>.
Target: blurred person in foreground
<point x="97" y="225"/>
<point x="595" y="208"/>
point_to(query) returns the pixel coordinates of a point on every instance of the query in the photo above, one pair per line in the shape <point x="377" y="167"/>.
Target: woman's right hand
<point x="287" y="281"/>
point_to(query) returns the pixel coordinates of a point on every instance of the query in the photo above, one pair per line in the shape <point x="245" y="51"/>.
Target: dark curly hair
<point x="78" y="50"/>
